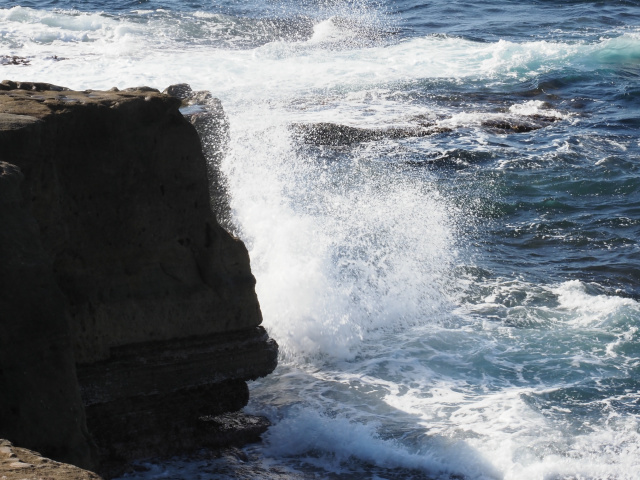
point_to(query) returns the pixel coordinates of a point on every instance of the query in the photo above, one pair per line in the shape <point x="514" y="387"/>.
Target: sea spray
<point x="340" y="246"/>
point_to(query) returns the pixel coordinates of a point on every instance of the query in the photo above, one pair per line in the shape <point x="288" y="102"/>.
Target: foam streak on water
<point x="458" y="304"/>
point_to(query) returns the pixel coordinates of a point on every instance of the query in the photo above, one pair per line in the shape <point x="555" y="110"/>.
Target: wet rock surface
<point x="206" y="114"/>
<point x="337" y="135"/>
<point x="214" y="434"/>
<point x="334" y="134"/>
<point x="13" y="60"/>
<point x="523" y="125"/>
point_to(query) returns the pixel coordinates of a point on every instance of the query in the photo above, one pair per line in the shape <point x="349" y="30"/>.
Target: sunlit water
<point x="464" y="303"/>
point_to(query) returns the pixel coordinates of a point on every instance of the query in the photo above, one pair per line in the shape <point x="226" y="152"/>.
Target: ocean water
<point x="460" y="304"/>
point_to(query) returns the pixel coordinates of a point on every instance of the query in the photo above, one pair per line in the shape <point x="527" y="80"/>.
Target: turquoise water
<point x="458" y="304"/>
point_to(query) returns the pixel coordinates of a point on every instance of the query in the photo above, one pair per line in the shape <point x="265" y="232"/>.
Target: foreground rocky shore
<point x="130" y="320"/>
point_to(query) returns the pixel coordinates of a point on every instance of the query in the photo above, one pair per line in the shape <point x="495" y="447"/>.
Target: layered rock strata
<point x="155" y="298"/>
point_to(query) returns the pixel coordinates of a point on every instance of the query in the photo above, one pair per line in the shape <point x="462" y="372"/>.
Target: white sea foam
<point x="337" y="441"/>
<point x="117" y="42"/>
<point x="589" y="309"/>
<point x="522" y="443"/>
<point x="338" y="251"/>
<point x="535" y="107"/>
<point x="459" y="408"/>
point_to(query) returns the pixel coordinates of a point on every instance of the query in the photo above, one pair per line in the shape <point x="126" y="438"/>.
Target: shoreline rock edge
<point x="117" y="276"/>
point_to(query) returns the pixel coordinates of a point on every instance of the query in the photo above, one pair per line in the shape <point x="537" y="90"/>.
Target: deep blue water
<point x="461" y="303"/>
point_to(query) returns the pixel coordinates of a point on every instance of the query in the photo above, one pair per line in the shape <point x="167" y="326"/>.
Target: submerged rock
<point x="520" y="125"/>
<point x="13" y="60"/>
<point x="184" y="92"/>
<point x="334" y="134"/>
<point x="162" y="312"/>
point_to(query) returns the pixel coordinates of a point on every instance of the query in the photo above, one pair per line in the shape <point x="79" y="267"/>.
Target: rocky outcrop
<point x="334" y="134"/>
<point x="13" y="60"/>
<point x="157" y="299"/>
<point x="337" y="135"/>
<point x="22" y="464"/>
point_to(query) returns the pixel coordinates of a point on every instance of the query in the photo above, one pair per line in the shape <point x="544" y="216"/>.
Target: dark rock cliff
<point x="40" y="403"/>
<point x="132" y="271"/>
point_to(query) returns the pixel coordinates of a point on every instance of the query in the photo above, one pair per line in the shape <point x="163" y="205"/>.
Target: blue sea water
<point x="458" y="305"/>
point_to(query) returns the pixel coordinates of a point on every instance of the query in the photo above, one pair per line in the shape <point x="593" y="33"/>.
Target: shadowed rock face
<point x="206" y="114"/>
<point x="117" y="182"/>
<point x="160" y="299"/>
<point x="39" y="395"/>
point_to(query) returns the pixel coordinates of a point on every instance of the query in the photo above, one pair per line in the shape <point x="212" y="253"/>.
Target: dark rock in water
<point x="179" y="384"/>
<point x="519" y="125"/>
<point x="233" y="429"/>
<point x="163" y="315"/>
<point x="507" y="126"/>
<point x="181" y="90"/>
<point x="190" y="418"/>
<point x="184" y="92"/>
<point x="13" y="60"/>
<point x="334" y="134"/>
